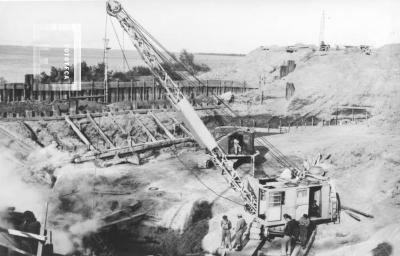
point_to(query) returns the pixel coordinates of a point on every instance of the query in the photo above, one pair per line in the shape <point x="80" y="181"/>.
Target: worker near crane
<point x="290" y="234"/>
<point x="30" y="225"/>
<point x="304" y="225"/>
<point x="314" y="209"/>
<point x="226" y="226"/>
<point x="241" y="226"/>
<point x="236" y="146"/>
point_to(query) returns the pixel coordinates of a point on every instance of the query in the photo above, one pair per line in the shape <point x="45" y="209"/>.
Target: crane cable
<point x="143" y="32"/>
<point x="120" y="46"/>
<point x="202" y="182"/>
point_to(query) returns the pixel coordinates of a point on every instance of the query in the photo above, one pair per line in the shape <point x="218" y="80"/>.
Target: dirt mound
<point x="322" y="80"/>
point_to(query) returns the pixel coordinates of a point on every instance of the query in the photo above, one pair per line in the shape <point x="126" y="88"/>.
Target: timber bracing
<point x="126" y="150"/>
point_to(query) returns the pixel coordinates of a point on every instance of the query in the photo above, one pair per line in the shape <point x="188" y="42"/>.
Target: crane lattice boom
<point x="155" y="55"/>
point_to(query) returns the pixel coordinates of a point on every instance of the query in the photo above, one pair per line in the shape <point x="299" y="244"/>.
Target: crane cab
<point x="238" y="145"/>
<point x="316" y="198"/>
<point x="243" y="137"/>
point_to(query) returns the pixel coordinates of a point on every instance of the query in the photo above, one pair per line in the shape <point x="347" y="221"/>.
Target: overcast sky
<point x="236" y="26"/>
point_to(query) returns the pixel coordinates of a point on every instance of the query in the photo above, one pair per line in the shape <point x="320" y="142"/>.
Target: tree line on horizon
<point x="96" y="72"/>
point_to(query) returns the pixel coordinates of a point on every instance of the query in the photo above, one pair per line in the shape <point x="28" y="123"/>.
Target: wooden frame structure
<point x="114" y="150"/>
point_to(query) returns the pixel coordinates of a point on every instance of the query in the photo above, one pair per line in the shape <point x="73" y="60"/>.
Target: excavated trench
<point x="142" y="239"/>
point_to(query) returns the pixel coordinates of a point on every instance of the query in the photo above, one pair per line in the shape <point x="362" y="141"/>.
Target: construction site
<point x="287" y="150"/>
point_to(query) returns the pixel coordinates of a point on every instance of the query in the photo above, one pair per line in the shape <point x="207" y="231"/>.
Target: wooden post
<point x="130" y="91"/>
<point x="154" y="89"/>
<point x="92" y="90"/>
<point x="13" y="93"/>
<point x="5" y="93"/>
<point x="142" y="92"/>
<point x="24" y="93"/>
<point x="117" y="90"/>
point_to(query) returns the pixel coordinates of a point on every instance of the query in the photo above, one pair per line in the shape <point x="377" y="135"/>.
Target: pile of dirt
<point x="322" y="80"/>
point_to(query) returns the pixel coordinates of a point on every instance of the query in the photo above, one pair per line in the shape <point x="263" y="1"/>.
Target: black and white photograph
<point x="199" y="128"/>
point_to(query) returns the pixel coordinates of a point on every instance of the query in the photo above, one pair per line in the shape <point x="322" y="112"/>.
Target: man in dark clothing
<point x="304" y="224"/>
<point x="290" y="234"/>
<point x="30" y="225"/>
<point x="241" y="226"/>
<point x="314" y="209"/>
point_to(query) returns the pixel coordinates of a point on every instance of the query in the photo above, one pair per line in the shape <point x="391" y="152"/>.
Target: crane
<point x="155" y="56"/>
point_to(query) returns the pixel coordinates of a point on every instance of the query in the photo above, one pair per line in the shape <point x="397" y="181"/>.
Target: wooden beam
<point x="132" y="218"/>
<point x="94" y="115"/>
<point x="115" y="121"/>
<point x="158" y="121"/>
<point x="182" y="127"/>
<point x="129" y="149"/>
<point x="102" y="134"/>
<point x="32" y="236"/>
<point x="352" y="215"/>
<point x="152" y="138"/>
<point x="357" y="211"/>
<point x="78" y="132"/>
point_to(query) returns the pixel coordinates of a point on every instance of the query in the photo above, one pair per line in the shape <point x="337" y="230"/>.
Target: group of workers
<point x="226" y="238"/>
<point x="295" y="232"/>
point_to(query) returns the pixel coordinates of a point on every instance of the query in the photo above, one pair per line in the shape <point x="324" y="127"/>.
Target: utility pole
<point x="322" y="29"/>
<point x="106" y="49"/>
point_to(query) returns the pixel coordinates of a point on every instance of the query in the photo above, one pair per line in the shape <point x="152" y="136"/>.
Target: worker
<point x="226" y="226"/>
<point x="241" y="226"/>
<point x="304" y="224"/>
<point x="236" y="146"/>
<point x="314" y="209"/>
<point x="290" y="234"/>
<point x="30" y="225"/>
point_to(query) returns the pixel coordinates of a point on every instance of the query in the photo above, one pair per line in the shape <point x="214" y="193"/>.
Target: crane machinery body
<point x="266" y="199"/>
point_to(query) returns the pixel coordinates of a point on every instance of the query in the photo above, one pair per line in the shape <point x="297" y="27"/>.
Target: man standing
<point x="290" y="233"/>
<point x="236" y="146"/>
<point x="239" y="231"/>
<point x="30" y="225"/>
<point x="314" y="210"/>
<point x="304" y="224"/>
<point x="226" y="226"/>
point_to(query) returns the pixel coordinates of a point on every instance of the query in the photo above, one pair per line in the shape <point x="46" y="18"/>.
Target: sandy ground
<point x="364" y="163"/>
<point x="322" y="80"/>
